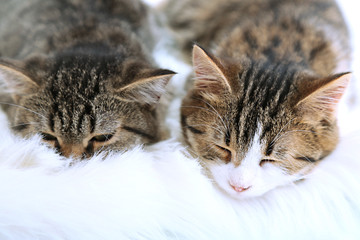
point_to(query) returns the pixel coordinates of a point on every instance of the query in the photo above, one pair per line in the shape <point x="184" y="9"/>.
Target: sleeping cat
<point x="262" y="109"/>
<point x="79" y="73"/>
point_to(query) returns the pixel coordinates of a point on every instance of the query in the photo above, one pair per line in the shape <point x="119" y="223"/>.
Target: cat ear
<point x="325" y="94"/>
<point x="147" y="89"/>
<point x="209" y="73"/>
<point x="15" y="82"/>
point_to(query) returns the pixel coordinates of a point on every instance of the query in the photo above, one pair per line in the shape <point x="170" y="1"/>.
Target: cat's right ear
<point x="324" y="94"/>
<point x="209" y="73"/>
<point x="148" y="88"/>
<point x="16" y="83"/>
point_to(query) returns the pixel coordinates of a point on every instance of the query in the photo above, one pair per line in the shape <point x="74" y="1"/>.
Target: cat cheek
<point x="220" y="173"/>
<point x="273" y="176"/>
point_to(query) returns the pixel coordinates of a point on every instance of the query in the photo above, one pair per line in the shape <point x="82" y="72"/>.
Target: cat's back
<point x="216" y="15"/>
<point x="34" y="26"/>
<point x="259" y="23"/>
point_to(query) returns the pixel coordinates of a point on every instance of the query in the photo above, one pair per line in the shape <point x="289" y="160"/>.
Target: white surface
<point x="159" y="193"/>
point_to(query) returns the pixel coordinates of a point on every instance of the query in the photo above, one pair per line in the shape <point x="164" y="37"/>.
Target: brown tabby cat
<point x="262" y="109"/>
<point x="79" y="73"/>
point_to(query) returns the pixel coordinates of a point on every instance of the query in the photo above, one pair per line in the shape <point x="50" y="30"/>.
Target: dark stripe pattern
<point x="265" y="88"/>
<point x="75" y="83"/>
<point x="139" y="132"/>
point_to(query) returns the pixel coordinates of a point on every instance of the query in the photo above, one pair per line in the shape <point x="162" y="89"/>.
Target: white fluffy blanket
<point x="159" y="193"/>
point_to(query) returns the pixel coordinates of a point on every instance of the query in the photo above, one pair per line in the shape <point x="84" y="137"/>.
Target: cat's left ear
<point x="15" y="82"/>
<point x="324" y="94"/>
<point x="148" y="89"/>
<point x="210" y="75"/>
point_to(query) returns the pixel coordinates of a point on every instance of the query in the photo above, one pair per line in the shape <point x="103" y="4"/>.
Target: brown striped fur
<point x="265" y="98"/>
<point x="79" y="73"/>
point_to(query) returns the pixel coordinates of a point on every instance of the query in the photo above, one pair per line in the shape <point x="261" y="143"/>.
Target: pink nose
<point x="240" y="188"/>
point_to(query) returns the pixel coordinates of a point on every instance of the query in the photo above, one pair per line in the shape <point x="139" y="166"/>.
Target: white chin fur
<point x="261" y="181"/>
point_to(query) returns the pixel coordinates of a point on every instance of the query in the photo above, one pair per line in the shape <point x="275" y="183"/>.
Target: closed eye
<point x="226" y="153"/>
<point x="263" y="161"/>
<point x="48" y="137"/>
<point x="102" y="138"/>
<point x="139" y="132"/>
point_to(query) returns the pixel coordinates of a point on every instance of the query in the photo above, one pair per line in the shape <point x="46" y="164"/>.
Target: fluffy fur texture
<point x="160" y="193"/>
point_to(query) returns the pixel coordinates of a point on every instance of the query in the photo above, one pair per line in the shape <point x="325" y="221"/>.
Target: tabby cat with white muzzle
<point x="262" y="109"/>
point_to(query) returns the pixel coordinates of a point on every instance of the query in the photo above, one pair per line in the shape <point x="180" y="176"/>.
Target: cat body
<point x="80" y="73"/>
<point x="262" y="109"/>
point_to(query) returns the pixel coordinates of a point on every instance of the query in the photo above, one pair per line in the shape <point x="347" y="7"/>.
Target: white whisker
<point x="27" y="109"/>
<point x="216" y="112"/>
<point x="277" y="135"/>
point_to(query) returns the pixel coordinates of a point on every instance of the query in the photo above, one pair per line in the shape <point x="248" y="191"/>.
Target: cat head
<point x="256" y="125"/>
<point x="84" y="104"/>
